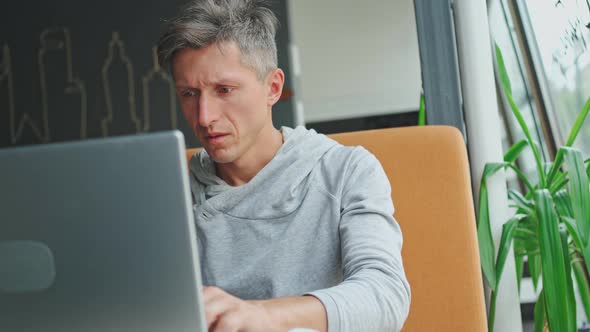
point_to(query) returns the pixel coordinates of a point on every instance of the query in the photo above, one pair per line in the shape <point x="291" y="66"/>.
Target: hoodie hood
<point x="277" y="190"/>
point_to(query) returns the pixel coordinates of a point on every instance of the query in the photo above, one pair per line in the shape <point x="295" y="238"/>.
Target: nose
<point x="207" y="111"/>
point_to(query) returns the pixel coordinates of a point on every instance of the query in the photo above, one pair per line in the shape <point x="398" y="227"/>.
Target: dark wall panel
<point x="79" y="69"/>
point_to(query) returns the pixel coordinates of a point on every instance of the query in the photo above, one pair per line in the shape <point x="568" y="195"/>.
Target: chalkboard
<point x="72" y="70"/>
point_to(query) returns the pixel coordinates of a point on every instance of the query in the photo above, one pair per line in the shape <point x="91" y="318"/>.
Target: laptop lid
<point x="98" y="235"/>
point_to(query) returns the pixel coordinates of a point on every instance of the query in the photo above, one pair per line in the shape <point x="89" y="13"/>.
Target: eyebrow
<point x="230" y="79"/>
<point x="223" y="82"/>
<point x="184" y="87"/>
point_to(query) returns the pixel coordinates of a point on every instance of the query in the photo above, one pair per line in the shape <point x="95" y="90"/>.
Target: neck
<point x="241" y="171"/>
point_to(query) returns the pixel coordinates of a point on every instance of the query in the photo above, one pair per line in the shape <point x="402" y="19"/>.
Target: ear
<point x="275" y="82"/>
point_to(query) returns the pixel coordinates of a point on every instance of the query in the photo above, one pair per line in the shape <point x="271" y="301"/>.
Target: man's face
<point x="227" y="106"/>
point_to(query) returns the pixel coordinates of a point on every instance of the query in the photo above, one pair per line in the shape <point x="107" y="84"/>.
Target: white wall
<point x="356" y="58"/>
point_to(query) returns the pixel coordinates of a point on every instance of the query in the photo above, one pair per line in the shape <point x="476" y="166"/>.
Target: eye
<point x="187" y="93"/>
<point x="224" y="90"/>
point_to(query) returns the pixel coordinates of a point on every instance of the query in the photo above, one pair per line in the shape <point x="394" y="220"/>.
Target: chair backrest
<point x="431" y="190"/>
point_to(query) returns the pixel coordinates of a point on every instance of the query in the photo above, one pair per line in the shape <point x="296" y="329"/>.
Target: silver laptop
<point x="98" y="235"/>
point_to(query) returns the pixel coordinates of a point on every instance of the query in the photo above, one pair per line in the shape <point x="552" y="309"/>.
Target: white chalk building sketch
<point x="64" y="100"/>
<point x="11" y="123"/>
<point x="62" y="95"/>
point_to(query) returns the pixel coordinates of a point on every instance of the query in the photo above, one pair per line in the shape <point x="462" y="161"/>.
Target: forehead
<point x="209" y="64"/>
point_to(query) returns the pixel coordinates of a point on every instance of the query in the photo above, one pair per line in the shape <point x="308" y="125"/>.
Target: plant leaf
<point x="492" y="313"/>
<point x="586" y="255"/>
<point x="572" y="229"/>
<point x="525" y="129"/>
<point x="570" y="141"/>
<point x="505" y="83"/>
<point x="579" y="192"/>
<point x="507" y="234"/>
<point x="563" y="204"/>
<point x="515" y="151"/>
<point x="559" y="182"/>
<point x="506" y="240"/>
<point x="521" y="175"/>
<point x="519" y="265"/>
<point x="540" y="313"/>
<point x="555" y="166"/>
<point x="484" y="232"/>
<point x="571" y="300"/>
<point x="535" y="269"/>
<point x="520" y="201"/>
<point x="502" y="73"/>
<point x="422" y="111"/>
<point x="484" y="237"/>
<point x="583" y="289"/>
<point x="555" y="285"/>
<point x="578" y="123"/>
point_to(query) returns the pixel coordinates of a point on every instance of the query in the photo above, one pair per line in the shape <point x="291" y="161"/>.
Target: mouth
<point x="215" y="138"/>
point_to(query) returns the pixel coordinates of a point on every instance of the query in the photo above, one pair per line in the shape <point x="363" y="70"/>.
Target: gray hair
<point x="248" y="23"/>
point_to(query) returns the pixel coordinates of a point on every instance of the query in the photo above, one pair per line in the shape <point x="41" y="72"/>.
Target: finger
<point x="216" y="305"/>
<point x="230" y="321"/>
<point x="211" y="291"/>
<point x="216" y="308"/>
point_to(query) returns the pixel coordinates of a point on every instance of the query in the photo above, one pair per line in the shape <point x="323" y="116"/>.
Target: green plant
<point x="551" y="225"/>
<point x="422" y="111"/>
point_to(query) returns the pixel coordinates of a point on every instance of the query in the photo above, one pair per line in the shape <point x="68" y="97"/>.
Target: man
<point x="294" y="229"/>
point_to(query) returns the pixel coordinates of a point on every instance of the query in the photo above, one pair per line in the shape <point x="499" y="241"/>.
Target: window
<point x="558" y="37"/>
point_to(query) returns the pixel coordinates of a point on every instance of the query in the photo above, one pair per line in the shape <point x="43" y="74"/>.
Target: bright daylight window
<point x="560" y="31"/>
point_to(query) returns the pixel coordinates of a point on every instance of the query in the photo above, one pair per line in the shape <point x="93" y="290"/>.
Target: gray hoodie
<point x="316" y="220"/>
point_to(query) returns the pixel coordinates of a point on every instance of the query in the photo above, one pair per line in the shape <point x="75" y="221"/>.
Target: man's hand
<point x="227" y="313"/>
